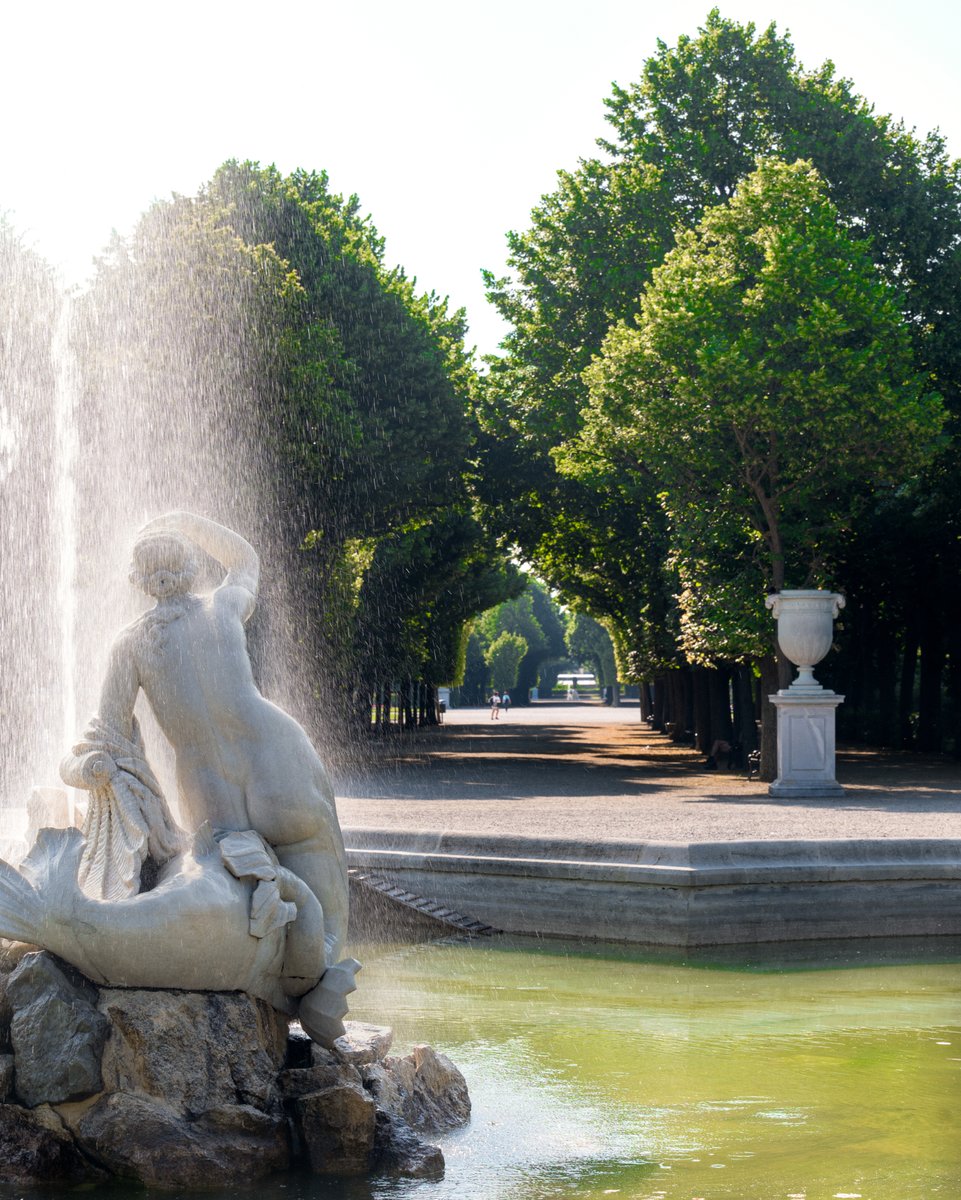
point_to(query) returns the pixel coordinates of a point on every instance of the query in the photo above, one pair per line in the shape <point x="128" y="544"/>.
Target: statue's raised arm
<point x="236" y="555"/>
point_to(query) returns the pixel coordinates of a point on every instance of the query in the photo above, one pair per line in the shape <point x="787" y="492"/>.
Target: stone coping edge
<point x="678" y="864"/>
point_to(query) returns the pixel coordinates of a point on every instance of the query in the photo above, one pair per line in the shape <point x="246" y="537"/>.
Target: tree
<point x="476" y="672"/>
<point x="534" y="615"/>
<point x="504" y="657"/>
<point x="767" y="345"/>
<point x="322" y="396"/>
<point x="589" y="642"/>
<point x="682" y="139"/>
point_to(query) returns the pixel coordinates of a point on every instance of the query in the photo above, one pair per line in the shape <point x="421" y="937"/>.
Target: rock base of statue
<point x="179" y="1089"/>
<point x="805" y="743"/>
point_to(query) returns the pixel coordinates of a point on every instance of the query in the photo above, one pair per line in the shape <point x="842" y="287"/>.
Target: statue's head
<point x="164" y="564"/>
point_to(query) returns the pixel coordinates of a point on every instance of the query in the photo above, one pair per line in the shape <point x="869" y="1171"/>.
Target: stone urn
<point x="805" y="630"/>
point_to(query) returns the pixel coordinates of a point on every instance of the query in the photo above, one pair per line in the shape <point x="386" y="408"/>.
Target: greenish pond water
<point x="599" y="1072"/>
<point x="818" y="1073"/>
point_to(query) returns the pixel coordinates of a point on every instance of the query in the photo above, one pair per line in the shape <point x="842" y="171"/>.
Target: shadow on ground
<point x="503" y="762"/>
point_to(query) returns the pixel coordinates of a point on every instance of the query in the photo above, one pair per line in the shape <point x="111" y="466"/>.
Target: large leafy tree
<point x="589" y="642"/>
<point x="682" y="139"/>
<point x="769" y="385"/>
<point x="504" y="657"/>
<point x="532" y="614"/>
<point x="326" y="401"/>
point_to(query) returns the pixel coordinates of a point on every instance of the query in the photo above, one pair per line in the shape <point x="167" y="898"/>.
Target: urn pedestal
<point x="805" y="710"/>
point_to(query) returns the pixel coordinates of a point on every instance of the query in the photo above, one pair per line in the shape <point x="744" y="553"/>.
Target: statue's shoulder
<point x="144" y="630"/>
<point x="137" y="627"/>
<point x="132" y="637"/>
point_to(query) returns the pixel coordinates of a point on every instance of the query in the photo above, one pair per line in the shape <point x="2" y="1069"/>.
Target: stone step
<point x="426" y="907"/>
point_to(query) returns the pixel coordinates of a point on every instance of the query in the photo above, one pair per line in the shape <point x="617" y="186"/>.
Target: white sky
<point x="448" y="119"/>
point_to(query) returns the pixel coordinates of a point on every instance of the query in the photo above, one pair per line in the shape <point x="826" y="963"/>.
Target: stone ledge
<point x="679" y="864"/>
<point x="682" y="894"/>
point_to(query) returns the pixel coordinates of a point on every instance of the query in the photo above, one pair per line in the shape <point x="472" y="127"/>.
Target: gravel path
<point x="590" y="772"/>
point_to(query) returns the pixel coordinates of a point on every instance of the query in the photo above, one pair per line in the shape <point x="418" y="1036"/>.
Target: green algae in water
<point x="774" y="1073"/>
<point x="599" y="1071"/>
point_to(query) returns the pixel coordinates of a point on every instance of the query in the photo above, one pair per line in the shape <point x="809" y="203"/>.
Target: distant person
<point x="495" y="705"/>
<point x="506" y="703"/>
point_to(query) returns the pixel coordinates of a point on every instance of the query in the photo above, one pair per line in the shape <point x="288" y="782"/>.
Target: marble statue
<point x="252" y="894"/>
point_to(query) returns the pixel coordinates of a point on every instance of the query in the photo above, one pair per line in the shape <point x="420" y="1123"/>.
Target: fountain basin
<point x="679" y="893"/>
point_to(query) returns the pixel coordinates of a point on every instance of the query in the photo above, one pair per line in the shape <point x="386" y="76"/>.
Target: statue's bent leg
<point x="304" y="935"/>
<point x="324" y="871"/>
<point x="318" y="865"/>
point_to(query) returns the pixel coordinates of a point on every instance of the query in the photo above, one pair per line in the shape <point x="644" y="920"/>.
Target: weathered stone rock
<point x="363" y="1044"/>
<point x="424" y="1087"/>
<point x="35" y="1148"/>
<point x="195" y="1051"/>
<point x="388" y="1091"/>
<point x="140" y="1138"/>
<point x="303" y="1081"/>
<point x="6" y="1077"/>
<point x="399" y="1151"/>
<point x="195" y="1087"/>
<point x="56" y="1032"/>
<point x="320" y="1056"/>
<point x="6" y="1013"/>
<point x="299" y="1046"/>
<point x="336" y="1128"/>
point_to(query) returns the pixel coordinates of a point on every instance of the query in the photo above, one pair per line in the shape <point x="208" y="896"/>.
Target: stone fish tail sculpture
<point x="256" y="898"/>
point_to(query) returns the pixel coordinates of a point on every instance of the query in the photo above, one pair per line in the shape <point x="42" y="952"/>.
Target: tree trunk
<point x="719" y="698"/>
<point x="929" y="688"/>
<point x="687" y="720"/>
<point x="682" y="705"/>
<point x="659" y="704"/>
<point x="769" y="685"/>
<point x="954" y="693"/>
<point x="886" y="660"/>
<point x="909" y="666"/>
<point x="745" y="718"/>
<point x="672" y="703"/>
<point x="700" y="686"/>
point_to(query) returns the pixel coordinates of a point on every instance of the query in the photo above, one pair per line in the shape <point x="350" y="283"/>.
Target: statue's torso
<point x="241" y="761"/>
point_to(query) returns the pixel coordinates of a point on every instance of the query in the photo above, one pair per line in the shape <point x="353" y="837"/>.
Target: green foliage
<point x="534" y="615"/>
<point x="476" y="672"/>
<point x="373" y="375"/>
<point x="504" y="657"/>
<point x="266" y="300"/>
<point x="548" y="616"/>
<point x="589" y="643"/>
<point x="437" y="576"/>
<point x="767" y="345"/>
<point x="586" y="507"/>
